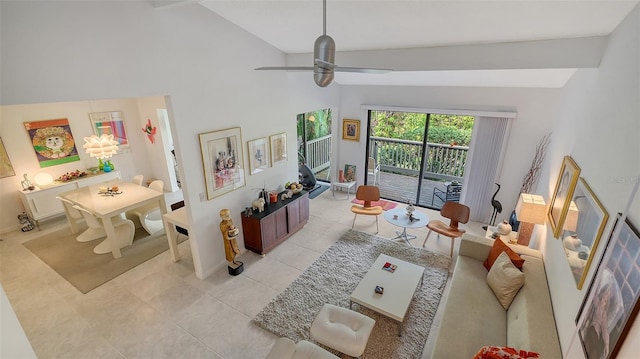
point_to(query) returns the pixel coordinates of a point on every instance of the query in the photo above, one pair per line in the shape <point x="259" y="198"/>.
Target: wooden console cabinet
<point x="265" y="230"/>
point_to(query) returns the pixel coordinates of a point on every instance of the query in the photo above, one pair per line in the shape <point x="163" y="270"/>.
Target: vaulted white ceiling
<point x="360" y="25"/>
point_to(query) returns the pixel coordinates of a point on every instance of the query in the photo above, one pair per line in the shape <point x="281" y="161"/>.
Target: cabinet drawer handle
<point x="33" y="204"/>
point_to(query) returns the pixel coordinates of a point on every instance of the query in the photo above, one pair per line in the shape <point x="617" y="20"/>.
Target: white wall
<point x="204" y="64"/>
<point x="537" y="110"/>
<point x="599" y="127"/>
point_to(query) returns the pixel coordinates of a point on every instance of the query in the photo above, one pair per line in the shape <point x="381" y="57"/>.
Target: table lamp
<point x="102" y="148"/>
<point x="530" y="210"/>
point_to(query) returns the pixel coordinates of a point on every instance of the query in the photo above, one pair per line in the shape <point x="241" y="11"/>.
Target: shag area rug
<point x="333" y="277"/>
<point x="85" y="270"/>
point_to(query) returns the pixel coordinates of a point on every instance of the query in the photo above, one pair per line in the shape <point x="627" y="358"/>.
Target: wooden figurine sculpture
<point x="229" y="234"/>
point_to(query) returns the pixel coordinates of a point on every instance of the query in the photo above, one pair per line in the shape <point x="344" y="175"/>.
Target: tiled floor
<point x="161" y="310"/>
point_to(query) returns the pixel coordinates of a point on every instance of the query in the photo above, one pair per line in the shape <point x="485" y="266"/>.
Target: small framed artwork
<point x="611" y="303"/>
<point x="351" y="130"/>
<point x="6" y="168"/>
<point x="258" y="155"/>
<point x="349" y="173"/>
<point x="278" y="144"/>
<point x="582" y="229"/>
<point x="222" y="160"/>
<point x="52" y="141"/>
<point x="110" y="123"/>
<point x="561" y="199"/>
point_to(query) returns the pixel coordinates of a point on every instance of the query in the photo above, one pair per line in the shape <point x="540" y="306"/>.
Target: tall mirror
<point x="582" y="229"/>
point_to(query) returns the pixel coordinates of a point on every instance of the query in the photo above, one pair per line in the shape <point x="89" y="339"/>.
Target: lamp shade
<point x="531" y="208"/>
<point x="100" y="147"/>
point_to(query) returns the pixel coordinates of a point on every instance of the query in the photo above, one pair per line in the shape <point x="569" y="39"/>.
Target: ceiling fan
<point x="324" y="53"/>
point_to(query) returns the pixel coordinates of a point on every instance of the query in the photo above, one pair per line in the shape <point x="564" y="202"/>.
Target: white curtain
<point x="485" y="158"/>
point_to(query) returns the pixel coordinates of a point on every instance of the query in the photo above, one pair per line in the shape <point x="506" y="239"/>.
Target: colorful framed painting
<point x="278" y="146"/>
<point x="561" y="199"/>
<point x="110" y="123"/>
<point x="52" y="141"/>
<point x="222" y="160"/>
<point x="611" y="303"/>
<point x="349" y="173"/>
<point x="582" y="229"/>
<point x="258" y="155"/>
<point x="6" y="168"/>
<point x="351" y="130"/>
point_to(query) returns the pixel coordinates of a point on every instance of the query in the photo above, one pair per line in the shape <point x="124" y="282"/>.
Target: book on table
<point x="389" y="267"/>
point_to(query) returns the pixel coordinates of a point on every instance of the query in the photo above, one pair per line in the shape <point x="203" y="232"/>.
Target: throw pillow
<point x="498" y="247"/>
<point x="505" y="280"/>
<point x="494" y="352"/>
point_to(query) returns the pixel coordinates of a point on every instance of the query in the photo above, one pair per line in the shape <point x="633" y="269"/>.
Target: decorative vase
<point x="504" y="228"/>
<point x="100" y="164"/>
<point x="410" y="209"/>
<point x="340" y="176"/>
<point x="572" y="242"/>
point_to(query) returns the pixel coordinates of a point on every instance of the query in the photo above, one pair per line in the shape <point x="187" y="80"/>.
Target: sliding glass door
<point x="419" y="157"/>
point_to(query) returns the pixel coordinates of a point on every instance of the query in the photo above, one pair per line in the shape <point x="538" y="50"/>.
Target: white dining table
<point x="106" y="207"/>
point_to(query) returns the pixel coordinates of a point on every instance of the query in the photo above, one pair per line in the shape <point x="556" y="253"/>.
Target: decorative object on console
<point x="27" y="185"/>
<point x="559" y="203"/>
<point x="223" y="161"/>
<point x="532" y="176"/>
<point x="530" y="211"/>
<point x="258" y="204"/>
<point x="150" y="131"/>
<point x="278" y="147"/>
<point x="52" y="141"/>
<point x="110" y="123"/>
<point x="6" y="168"/>
<point x="611" y="304"/>
<point x="497" y="207"/>
<point x="585" y="219"/>
<point x="504" y="228"/>
<point x="351" y="130"/>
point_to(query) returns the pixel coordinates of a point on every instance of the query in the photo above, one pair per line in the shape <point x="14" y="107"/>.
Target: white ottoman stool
<point x="342" y="329"/>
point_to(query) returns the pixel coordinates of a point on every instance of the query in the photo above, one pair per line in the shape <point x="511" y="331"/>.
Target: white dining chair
<point x="137" y="179"/>
<point x="123" y="228"/>
<point x="148" y="216"/>
<point x="94" y="231"/>
<point x="373" y="169"/>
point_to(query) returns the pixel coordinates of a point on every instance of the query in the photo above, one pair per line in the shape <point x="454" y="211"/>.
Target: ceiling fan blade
<point x="361" y="70"/>
<point x="287" y="68"/>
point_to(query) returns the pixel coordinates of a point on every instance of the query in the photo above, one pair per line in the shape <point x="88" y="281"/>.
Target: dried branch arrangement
<point x="532" y="176"/>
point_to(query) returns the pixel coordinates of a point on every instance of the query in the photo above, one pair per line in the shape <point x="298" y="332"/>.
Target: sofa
<point x="473" y="317"/>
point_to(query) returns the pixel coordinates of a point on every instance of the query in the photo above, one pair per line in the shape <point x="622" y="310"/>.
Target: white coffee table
<point x="399" y="288"/>
<point x="402" y="220"/>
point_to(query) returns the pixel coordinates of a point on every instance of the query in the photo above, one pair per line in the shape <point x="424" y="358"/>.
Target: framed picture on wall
<point x="351" y="130"/>
<point x="278" y="144"/>
<point x="258" y="155"/>
<point x="222" y="160"/>
<point x="52" y="142"/>
<point x="110" y="123"/>
<point x="611" y="303"/>
<point x="6" y="168"/>
<point x="565" y="185"/>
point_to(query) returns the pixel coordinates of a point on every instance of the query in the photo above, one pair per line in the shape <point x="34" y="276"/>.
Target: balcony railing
<point x="319" y="153"/>
<point x="404" y="157"/>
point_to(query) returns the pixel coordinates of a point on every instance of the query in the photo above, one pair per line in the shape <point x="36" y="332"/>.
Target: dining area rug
<point x="333" y="277"/>
<point x="85" y="270"/>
